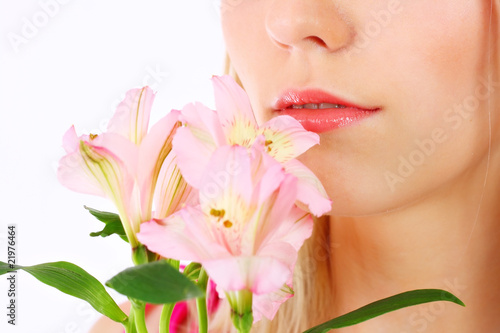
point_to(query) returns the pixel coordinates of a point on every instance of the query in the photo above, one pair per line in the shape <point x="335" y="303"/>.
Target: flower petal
<point x="74" y="174"/>
<point x="268" y="173"/>
<point x="231" y="101"/>
<point x="310" y="190"/>
<point x="227" y="175"/>
<point x="192" y="155"/>
<point x="259" y="274"/>
<point x="131" y="118"/>
<point x="286" y="138"/>
<point x="172" y="191"/>
<point x="268" y="304"/>
<point x="98" y="165"/>
<point x="273" y="213"/>
<point x="203" y="123"/>
<point x="182" y="236"/>
<point x="122" y="150"/>
<point x="71" y="142"/>
<point x="295" y="229"/>
<point x="283" y="244"/>
<point x="155" y="147"/>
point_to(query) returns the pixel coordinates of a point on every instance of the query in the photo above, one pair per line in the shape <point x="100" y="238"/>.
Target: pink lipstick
<point x="319" y="111"/>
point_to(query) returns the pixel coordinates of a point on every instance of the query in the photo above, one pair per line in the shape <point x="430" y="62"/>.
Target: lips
<point x="319" y="111"/>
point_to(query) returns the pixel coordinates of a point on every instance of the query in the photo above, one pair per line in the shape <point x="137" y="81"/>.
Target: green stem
<point x="130" y="324"/>
<point x="139" y="316"/>
<point x="201" y="303"/>
<point x="166" y="313"/>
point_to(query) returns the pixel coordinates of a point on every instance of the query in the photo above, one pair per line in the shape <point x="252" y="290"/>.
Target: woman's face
<point x="420" y="64"/>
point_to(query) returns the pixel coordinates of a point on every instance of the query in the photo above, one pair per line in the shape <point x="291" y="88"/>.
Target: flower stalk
<point x="166" y="314"/>
<point x="138" y="309"/>
<point x="201" y="303"/>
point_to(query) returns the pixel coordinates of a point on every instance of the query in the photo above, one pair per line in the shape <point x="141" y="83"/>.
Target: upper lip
<point x="313" y="96"/>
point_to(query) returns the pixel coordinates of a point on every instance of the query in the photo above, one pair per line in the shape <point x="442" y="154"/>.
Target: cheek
<point x="443" y="65"/>
<point x="426" y="69"/>
<point x="240" y="26"/>
<point x="251" y="50"/>
<point x="435" y="124"/>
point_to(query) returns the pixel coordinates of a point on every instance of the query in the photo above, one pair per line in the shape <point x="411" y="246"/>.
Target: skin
<point x="107" y="325"/>
<point x="433" y="224"/>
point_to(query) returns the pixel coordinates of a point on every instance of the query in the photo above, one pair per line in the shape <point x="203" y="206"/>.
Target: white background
<point x="71" y="63"/>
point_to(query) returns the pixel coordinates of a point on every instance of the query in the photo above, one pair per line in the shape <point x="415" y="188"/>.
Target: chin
<point x="355" y="188"/>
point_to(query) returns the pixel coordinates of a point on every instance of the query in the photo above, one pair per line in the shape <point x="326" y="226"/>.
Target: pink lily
<point x="234" y="124"/>
<point x="127" y="161"/>
<point x="246" y="230"/>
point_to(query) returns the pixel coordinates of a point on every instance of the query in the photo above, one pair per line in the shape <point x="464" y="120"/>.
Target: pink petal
<point x="131" y="118"/>
<point x="172" y="191"/>
<point x="213" y="299"/>
<point x="310" y="190"/>
<point x="155" y="147"/>
<point x="182" y="236"/>
<point x="110" y="170"/>
<point x="275" y="211"/>
<point x="259" y="274"/>
<point x="74" y="174"/>
<point x="120" y="148"/>
<point x="231" y="101"/>
<point x="81" y="174"/>
<point x="204" y="123"/>
<point x="295" y="229"/>
<point x="268" y="304"/>
<point x="71" y="142"/>
<point x="228" y="171"/>
<point x="281" y="251"/>
<point x="192" y="155"/>
<point x="284" y="244"/>
<point x="178" y="318"/>
<point x="72" y="171"/>
<point x="288" y="138"/>
<point x="269" y="172"/>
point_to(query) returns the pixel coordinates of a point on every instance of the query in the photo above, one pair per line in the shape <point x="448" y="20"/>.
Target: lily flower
<point x="127" y="162"/>
<point x="234" y="124"/>
<point x="94" y="165"/>
<point x="246" y="230"/>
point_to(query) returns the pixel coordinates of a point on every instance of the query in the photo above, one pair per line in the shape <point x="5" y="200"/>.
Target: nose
<point x="306" y="24"/>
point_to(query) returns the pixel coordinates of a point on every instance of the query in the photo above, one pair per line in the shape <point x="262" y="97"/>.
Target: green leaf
<point x="385" y="305"/>
<point x="74" y="281"/>
<point x="156" y="283"/>
<point x="113" y="224"/>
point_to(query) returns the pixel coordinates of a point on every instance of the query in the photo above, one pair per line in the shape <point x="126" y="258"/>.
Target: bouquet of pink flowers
<point x="211" y="188"/>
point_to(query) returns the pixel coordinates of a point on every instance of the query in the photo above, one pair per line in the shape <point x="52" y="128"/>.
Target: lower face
<point x="419" y="64"/>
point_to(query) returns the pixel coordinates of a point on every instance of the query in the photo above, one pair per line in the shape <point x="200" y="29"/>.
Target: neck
<point x="448" y="240"/>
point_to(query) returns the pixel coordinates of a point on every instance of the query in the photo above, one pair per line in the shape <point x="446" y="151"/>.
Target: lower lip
<point x="324" y="120"/>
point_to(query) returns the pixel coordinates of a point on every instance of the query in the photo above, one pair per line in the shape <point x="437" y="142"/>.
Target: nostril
<point x="316" y="40"/>
<point x="296" y="24"/>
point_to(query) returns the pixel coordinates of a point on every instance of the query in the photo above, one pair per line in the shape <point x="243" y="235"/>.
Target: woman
<point x="405" y="96"/>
